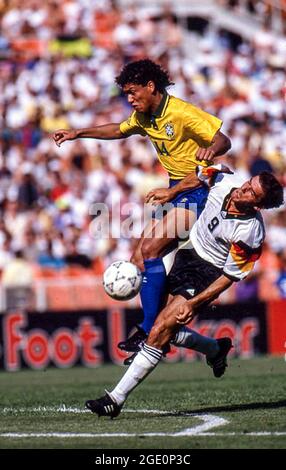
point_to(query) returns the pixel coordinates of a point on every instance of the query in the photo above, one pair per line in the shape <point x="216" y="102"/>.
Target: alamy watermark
<point x="128" y="220"/>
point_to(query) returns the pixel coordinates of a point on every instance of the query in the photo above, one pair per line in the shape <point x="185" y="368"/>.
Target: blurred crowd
<point x="262" y="8"/>
<point x="58" y="60"/>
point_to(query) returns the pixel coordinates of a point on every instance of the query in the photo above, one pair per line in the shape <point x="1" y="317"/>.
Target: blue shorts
<point x="191" y="199"/>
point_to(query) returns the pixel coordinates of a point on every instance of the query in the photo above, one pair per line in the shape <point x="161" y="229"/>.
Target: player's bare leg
<point x="146" y="359"/>
<point x="165" y="326"/>
<point x="175" y="225"/>
<point x="147" y="233"/>
<point x="156" y="238"/>
<point x="133" y="343"/>
<point x="166" y="329"/>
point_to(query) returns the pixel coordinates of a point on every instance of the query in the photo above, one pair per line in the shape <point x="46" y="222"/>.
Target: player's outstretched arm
<point x="192" y="180"/>
<point x="188" y="310"/>
<point x="163" y="195"/>
<point x="219" y="146"/>
<point x="105" y="132"/>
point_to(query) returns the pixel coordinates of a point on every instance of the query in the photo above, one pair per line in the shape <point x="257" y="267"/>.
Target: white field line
<point x="67" y="409"/>
<point x="209" y="422"/>
<point x="252" y="433"/>
<point x="63" y="435"/>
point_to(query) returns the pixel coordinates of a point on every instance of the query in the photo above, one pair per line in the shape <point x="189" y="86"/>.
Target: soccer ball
<point x="122" y="280"/>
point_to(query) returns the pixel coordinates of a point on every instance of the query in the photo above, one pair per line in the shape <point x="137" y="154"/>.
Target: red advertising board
<point x="276" y="330"/>
<point x="89" y="338"/>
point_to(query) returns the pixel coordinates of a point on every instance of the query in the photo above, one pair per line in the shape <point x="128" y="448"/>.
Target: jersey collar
<point x="162" y="106"/>
<point x="160" y="110"/>
<point x="226" y="214"/>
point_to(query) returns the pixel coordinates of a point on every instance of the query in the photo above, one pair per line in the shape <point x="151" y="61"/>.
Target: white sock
<point x="187" y="338"/>
<point x="145" y="361"/>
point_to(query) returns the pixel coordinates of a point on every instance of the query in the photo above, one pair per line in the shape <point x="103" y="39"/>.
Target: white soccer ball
<point x="122" y="280"/>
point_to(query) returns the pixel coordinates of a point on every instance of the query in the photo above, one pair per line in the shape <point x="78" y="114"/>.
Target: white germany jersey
<point x="230" y="241"/>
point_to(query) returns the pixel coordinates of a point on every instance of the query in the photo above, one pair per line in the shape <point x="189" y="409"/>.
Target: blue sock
<point x="152" y="291"/>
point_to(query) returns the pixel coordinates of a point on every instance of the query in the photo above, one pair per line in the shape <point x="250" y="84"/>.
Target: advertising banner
<point x="276" y="327"/>
<point x="90" y="338"/>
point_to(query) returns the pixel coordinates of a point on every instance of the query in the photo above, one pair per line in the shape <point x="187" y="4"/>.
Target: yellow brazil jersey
<point x="177" y="129"/>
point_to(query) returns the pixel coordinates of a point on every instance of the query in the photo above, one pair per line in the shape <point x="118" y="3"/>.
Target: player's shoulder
<point x="258" y="223"/>
<point x="234" y="179"/>
<point x="178" y="105"/>
<point x="251" y="230"/>
<point x="183" y="104"/>
<point x="225" y="181"/>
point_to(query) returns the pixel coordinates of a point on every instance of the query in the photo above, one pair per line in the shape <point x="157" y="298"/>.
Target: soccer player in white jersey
<point x="222" y="248"/>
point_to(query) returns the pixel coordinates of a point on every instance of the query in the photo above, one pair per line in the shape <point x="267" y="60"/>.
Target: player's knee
<point x="157" y="335"/>
<point x="150" y="248"/>
<point x="154" y="338"/>
<point x="137" y="259"/>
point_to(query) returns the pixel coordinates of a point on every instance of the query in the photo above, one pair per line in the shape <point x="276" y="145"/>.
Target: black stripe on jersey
<point x="248" y="250"/>
<point x="232" y="278"/>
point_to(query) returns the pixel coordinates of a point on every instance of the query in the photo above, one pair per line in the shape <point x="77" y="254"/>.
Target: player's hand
<point x="159" y="196"/>
<point x="186" y="313"/>
<point x="62" y="134"/>
<point x="205" y="154"/>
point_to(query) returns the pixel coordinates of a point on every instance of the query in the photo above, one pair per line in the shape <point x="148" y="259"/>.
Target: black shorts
<point x="191" y="274"/>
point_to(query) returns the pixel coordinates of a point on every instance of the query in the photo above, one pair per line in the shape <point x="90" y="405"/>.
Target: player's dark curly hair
<point x="273" y="191"/>
<point x="141" y="72"/>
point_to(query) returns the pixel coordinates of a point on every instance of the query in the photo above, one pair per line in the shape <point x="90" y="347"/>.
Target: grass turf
<point x="251" y="397"/>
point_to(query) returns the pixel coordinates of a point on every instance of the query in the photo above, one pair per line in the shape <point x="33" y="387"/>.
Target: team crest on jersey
<point x="169" y="128"/>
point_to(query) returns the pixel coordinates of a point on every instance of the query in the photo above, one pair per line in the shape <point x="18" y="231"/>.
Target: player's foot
<point x="133" y="343"/>
<point x="219" y="362"/>
<point x="104" y="406"/>
<point x="131" y="358"/>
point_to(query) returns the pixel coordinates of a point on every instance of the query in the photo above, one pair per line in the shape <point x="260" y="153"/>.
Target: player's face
<point x="140" y="97"/>
<point x="249" y="194"/>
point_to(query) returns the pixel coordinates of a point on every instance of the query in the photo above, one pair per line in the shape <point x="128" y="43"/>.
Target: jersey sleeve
<point x="244" y="251"/>
<point x="200" y="125"/>
<point x="131" y="126"/>
<point x="209" y="175"/>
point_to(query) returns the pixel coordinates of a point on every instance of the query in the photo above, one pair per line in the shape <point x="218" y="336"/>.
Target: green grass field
<point x="179" y="406"/>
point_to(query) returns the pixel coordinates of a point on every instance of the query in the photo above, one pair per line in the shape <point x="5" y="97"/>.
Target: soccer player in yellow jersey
<point x="183" y="136"/>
